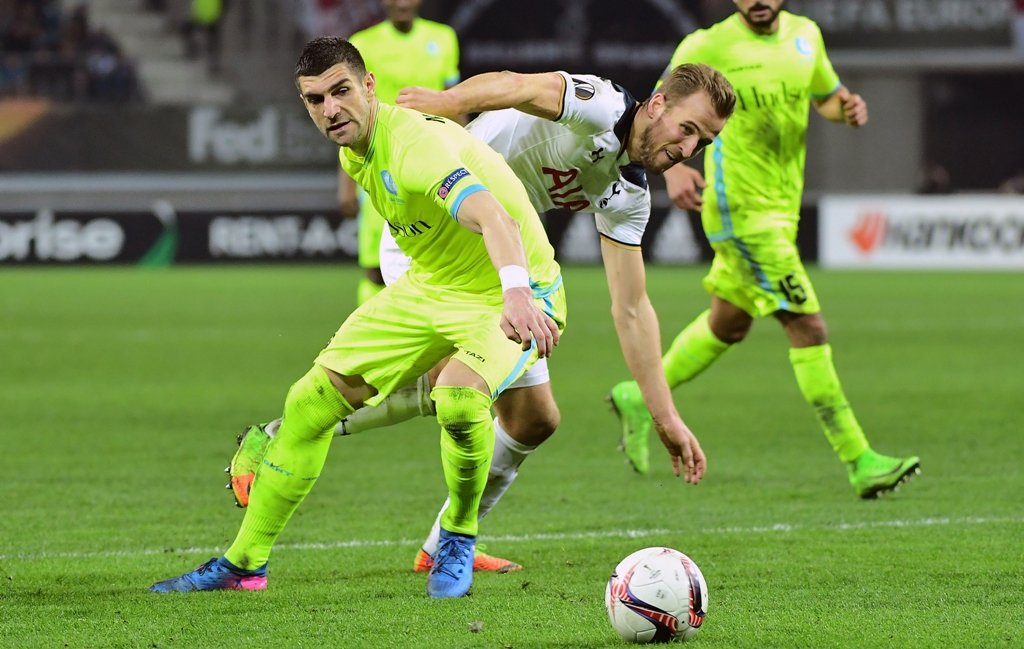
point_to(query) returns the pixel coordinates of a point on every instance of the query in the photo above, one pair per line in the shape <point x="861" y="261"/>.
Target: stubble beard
<point x="647" y="153"/>
<point x="766" y="22"/>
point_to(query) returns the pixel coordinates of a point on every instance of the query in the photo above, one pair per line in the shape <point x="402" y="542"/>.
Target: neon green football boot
<point x="628" y="405"/>
<point x="252" y="446"/>
<point x="873" y="474"/>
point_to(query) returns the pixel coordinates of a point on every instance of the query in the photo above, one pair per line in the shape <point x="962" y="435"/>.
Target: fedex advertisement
<point x="955" y="231"/>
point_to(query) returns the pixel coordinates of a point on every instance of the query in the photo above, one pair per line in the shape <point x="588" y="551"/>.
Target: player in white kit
<point x="581" y="143"/>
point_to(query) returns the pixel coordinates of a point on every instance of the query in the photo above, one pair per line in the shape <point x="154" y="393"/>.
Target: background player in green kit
<point x="404" y="50"/>
<point x="776" y="62"/>
<point x="483" y="288"/>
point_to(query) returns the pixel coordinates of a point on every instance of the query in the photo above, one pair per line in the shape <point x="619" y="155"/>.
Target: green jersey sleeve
<point x="451" y="60"/>
<point x="824" y="81"/>
<point x="432" y="167"/>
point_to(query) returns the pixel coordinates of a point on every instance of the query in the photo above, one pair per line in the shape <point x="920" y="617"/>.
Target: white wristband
<point x="513" y="277"/>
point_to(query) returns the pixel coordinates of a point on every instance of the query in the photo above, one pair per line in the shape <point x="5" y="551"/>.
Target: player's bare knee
<point x="804" y="330"/>
<point x="731" y="332"/>
<point x="815" y="336"/>
<point x="547" y="422"/>
<point x="728" y="322"/>
<point x="535" y="427"/>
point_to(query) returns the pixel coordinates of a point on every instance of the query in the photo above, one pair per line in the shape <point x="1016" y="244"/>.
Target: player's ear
<point x="655" y="105"/>
<point x="370" y="82"/>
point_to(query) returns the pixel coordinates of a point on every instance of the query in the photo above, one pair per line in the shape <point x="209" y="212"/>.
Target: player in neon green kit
<point x="557" y="123"/>
<point x="483" y="288"/>
<point x="777" y="63"/>
<point x="404" y="50"/>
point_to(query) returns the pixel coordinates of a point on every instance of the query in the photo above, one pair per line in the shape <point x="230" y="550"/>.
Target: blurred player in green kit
<point x="404" y="50"/>
<point x="777" y="63"/>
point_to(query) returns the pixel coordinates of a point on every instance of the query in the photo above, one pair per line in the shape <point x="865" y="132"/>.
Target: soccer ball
<point x="656" y="595"/>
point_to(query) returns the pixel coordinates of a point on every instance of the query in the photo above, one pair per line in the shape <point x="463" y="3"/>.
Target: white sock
<point x="409" y="401"/>
<point x="508" y="455"/>
<point x="270" y="428"/>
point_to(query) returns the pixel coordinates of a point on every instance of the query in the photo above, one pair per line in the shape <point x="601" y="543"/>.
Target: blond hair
<point x="689" y="78"/>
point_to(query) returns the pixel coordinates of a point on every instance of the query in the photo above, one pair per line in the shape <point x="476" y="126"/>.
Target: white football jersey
<point x="579" y="161"/>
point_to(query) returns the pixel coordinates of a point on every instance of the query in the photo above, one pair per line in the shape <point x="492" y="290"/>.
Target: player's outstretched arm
<point x="521" y="321"/>
<point x="639" y="336"/>
<point x="685" y="186"/>
<point x="844" y="106"/>
<point x="537" y="94"/>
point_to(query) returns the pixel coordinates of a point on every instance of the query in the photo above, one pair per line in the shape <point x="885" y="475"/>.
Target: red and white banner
<point x="960" y="231"/>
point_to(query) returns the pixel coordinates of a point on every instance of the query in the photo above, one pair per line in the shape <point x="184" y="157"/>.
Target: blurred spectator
<point x="24" y="31"/>
<point x="12" y="68"/>
<point x="1018" y="27"/>
<point x="21" y="36"/>
<point x="1013" y="184"/>
<point x="934" y="179"/>
<point x="335" y="17"/>
<point x="50" y="54"/>
<point x="111" y="77"/>
<point x="206" y="18"/>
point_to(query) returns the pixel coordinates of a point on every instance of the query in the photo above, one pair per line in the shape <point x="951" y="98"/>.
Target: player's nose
<point x="688" y="148"/>
<point x="331" y="107"/>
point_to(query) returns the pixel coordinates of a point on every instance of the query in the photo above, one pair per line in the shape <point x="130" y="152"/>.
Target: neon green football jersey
<point x="427" y="56"/>
<point x="755" y="167"/>
<point x="417" y="171"/>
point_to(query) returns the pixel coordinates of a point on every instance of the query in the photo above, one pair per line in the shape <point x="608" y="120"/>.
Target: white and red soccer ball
<point x="656" y="595"/>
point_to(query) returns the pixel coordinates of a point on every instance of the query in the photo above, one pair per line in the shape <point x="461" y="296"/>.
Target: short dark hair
<point x="322" y="53"/>
<point x="689" y="78"/>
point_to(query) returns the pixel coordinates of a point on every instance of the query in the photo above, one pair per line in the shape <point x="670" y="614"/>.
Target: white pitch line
<point x="775" y="528"/>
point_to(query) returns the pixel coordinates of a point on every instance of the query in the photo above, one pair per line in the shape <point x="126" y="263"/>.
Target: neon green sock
<point x="467" y="443"/>
<point x="291" y="466"/>
<point x="692" y="352"/>
<point x="819" y="383"/>
<point x="366" y="290"/>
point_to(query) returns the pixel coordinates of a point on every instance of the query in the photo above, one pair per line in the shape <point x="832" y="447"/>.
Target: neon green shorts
<point x="406" y="329"/>
<point x="371" y="225"/>
<point x="761" y="273"/>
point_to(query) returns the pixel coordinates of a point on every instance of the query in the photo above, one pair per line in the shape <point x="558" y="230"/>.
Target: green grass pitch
<point x="121" y="391"/>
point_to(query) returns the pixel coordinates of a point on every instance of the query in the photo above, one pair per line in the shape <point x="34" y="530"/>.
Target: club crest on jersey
<point x="803" y="46"/>
<point x="432" y="48"/>
<point x="389" y="182"/>
<point x="584" y="90"/>
<point x="449" y="182"/>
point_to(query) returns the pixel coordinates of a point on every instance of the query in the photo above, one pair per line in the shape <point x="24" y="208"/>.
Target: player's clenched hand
<point x="683" y="448"/>
<point x="523" y="322"/>
<point x="684" y="185"/>
<point x="855" y="110"/>
<point x="432" y="102"/>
